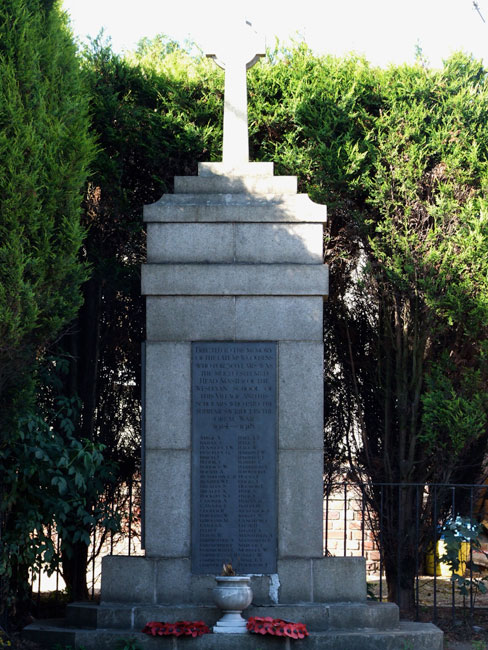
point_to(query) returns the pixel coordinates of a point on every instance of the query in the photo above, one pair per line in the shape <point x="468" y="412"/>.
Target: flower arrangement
<point x="180" y="628"/>
<point x="276" y="627"/>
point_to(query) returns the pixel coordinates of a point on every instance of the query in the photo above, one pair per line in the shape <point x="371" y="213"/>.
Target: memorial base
<point x="328" y="595"/>
<point x="165" y="581"/>
<point x="340" y="626"/>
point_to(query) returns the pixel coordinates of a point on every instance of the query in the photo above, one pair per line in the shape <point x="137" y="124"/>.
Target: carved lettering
<point x="234" y="457"/>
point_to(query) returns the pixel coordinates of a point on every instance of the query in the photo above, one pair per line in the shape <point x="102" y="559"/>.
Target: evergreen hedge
<point x="45" y="150"/>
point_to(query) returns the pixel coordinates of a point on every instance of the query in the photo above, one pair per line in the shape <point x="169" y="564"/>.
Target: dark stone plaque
<point x="234" y="457"/>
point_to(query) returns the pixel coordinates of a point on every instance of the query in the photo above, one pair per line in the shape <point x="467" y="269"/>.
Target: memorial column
<point x="234" y="285"/>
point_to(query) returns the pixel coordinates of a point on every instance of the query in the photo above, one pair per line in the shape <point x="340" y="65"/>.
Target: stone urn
<point x="232" y="594"/>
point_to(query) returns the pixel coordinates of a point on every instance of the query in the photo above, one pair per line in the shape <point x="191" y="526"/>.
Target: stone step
<point x="317" y="616"/>
<point x="407" y="636"/>
<point x="229" y="208"/>
<point x="235" y="184"/>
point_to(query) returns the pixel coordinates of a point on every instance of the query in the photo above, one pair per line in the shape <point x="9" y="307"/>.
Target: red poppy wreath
<point x="276" y="627"/>
<point x="180" y="628"/>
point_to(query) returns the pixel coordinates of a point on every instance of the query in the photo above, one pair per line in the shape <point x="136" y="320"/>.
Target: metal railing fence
<point x="368" y="519"/>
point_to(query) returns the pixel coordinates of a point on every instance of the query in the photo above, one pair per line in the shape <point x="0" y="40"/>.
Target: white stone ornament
<point x="232" y="594"/>
<point x="239" y="50"/>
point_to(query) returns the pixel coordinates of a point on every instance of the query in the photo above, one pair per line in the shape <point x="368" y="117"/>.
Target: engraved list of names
<point x="234" y="457"/>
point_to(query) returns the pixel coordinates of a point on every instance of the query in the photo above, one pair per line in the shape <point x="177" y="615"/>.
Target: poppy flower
<point x="180" y="628"/>
<point x="276" y="627"/>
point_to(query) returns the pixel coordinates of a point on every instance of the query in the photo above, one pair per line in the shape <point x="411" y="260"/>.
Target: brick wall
<point x="343" y="528"/>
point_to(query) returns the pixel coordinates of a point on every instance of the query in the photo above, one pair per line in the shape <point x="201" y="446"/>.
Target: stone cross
<point x="240" y="50"/>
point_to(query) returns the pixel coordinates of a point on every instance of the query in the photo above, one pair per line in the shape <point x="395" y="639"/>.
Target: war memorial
<point x="233" y="417"/>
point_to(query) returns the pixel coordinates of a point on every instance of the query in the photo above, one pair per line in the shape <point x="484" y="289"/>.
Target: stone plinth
<point x="166" y="581"/>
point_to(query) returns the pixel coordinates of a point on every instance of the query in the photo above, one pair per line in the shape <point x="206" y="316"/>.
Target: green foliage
<point x="459" y="413"/>
<point x="54" y="481"/>
<point x="309" y="115"/>
<point x="150" y="113"/>
<point x="478" y="645"/>
<point x="370" y="591"/>
<point x="455" y="532"/>
<point x="406" y="327"/>
<point x="45" y="150"/>
<point x="427" y="239"/>
<point x="400" y="156"/>
<point x="44" y="153"/>
<point x="128" y="644"/>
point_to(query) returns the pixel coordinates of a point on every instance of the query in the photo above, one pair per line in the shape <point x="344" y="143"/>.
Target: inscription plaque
<point x="234" y="457"/>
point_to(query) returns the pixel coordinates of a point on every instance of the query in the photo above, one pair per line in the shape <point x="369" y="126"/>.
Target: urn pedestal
<point x="232" y="594"/>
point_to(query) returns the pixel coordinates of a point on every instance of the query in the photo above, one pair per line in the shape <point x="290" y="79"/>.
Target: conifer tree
<point x="45" y="149"/>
